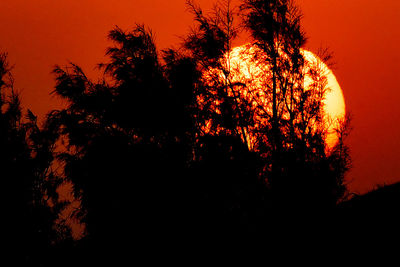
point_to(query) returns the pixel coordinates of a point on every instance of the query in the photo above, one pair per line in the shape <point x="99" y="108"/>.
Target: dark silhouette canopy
<point x="159" y="149"/>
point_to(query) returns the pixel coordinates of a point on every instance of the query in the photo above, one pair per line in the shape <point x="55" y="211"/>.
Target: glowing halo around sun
<point x="244" y="68"/>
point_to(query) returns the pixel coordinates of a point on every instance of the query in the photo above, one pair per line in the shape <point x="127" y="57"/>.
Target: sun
<point x="334" y="105"/>
<point x="244" y="69"/>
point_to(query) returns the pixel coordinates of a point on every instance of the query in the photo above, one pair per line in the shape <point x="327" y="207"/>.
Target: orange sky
<point x="362" y="34"/>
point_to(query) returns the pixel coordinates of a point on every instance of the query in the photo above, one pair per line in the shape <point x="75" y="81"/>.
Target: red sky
<point x="362" y="34"/>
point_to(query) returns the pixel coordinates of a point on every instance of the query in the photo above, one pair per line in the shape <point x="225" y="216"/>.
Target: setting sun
<point x="252" y="79"/>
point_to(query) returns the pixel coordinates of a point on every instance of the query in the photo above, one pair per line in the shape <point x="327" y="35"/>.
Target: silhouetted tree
<point x="168" y="144"/>
<point x="299" y="168"/>
<point x="298" y="165"/>
<point x="126" y="141"/>
<point x="26" y="179"/>
<point x="231" y="196"/>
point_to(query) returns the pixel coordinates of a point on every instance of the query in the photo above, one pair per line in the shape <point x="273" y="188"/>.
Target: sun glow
<point x="253" y="83"/>
<point x="334" y="105"/>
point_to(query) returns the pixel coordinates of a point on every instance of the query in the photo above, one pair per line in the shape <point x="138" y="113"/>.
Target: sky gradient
<point x="363" y="36"/>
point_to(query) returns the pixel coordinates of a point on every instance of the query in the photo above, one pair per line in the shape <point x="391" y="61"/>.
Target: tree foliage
<point x="166" y="142"/>
<point x="28" y="182"/>
<point x="300" y="168"/>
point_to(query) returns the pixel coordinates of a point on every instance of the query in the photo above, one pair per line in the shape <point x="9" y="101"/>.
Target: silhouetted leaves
<point x="160" y="147"/>
<point x="24" y="163"/>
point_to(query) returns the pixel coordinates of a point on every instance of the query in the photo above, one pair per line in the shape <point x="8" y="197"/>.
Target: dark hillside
<point x="383" y="198"/>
